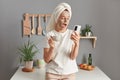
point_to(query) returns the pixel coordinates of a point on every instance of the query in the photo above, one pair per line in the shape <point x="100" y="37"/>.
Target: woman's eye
<point x="67" y="19"/>
<point x="62" y="18"/>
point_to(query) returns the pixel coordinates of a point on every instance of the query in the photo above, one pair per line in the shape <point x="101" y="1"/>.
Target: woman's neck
<point x="61" y="31"/>
<point x="58" y="29"/>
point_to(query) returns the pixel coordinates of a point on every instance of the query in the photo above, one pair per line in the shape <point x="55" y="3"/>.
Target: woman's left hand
<point x="75" y="37"/>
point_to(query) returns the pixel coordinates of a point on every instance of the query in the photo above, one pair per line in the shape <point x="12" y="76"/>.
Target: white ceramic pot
<point x="29" y="64"/>
<point x="88" y="34"/>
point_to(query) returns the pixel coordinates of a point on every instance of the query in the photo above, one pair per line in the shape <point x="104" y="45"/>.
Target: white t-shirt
<point x="61" y="62"/>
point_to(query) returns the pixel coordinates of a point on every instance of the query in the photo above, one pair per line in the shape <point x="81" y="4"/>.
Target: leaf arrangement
<point x="87" y="29"/>
<point x="28" y="51"/>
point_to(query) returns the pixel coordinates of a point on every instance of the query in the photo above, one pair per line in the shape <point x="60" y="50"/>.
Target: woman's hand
<point x="75" y="37"/>
<point x="51" y="42"/>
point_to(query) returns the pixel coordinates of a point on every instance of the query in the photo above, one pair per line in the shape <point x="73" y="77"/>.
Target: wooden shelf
<point x="93" y="38"/>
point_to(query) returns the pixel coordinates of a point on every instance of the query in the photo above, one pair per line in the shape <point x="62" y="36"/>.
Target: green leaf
<point x="27" y="51"/>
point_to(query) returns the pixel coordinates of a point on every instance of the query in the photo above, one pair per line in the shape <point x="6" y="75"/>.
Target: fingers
<point x="51" y="41"/>
<point x="75" y="36"/>
<point x="75" y="33"/>
<point x="52" y="37"/>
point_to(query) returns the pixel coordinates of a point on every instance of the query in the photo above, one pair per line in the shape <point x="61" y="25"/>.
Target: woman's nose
<point x="65" y="20"/>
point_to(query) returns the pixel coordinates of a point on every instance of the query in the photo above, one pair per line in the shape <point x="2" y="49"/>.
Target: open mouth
<point x="65" y="24"/>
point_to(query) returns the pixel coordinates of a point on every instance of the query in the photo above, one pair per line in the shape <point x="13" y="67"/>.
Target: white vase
<point x="88" y="34"/>
<point x="29" y="64"/>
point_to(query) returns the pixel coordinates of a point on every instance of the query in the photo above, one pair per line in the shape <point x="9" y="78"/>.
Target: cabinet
<point x="39" y="74"/>
<point x="92" y="38"/>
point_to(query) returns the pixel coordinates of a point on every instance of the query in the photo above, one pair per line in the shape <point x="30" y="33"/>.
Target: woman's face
<point x="63" y="21"/>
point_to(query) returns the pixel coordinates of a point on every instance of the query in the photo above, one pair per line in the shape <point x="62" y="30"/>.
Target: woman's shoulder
<point x="50" y="33"/>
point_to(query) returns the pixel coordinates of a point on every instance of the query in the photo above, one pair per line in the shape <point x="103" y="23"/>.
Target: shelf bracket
<point x="93" y="38"/>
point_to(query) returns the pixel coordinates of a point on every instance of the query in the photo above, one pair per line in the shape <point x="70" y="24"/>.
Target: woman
<point x="62" y="46"/>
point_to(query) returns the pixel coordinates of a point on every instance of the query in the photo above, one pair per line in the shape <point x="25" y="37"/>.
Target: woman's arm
<point x="75" y="48"/>
<point x="48" y="52"/>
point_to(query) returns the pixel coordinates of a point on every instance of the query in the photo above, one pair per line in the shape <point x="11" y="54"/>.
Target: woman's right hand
<point x="51" y="42"/>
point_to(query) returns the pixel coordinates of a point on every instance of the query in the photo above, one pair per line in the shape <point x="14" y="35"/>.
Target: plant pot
<point x="88" y="34"/>
<point x="29" y="64"/>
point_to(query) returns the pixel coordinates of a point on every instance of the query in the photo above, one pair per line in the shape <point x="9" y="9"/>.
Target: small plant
<point x="86" y="30"/>
<point x="28" y="51"/>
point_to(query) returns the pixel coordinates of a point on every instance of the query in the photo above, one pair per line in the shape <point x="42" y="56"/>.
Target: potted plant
<point x="87" y="31"/>
<point x="27" y="53"/>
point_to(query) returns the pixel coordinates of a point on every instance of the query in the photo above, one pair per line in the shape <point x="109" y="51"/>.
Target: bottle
<point x="90" y="59"/>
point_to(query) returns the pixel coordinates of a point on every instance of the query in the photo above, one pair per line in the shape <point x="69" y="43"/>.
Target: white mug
<point x="56" y="38"/>
<point x="40" y="63"/>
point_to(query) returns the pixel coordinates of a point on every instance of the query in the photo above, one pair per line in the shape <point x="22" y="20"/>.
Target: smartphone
<point x="77" y="28"/>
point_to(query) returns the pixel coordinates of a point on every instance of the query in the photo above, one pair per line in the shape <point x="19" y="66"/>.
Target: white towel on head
<point x="56" y="13"/>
